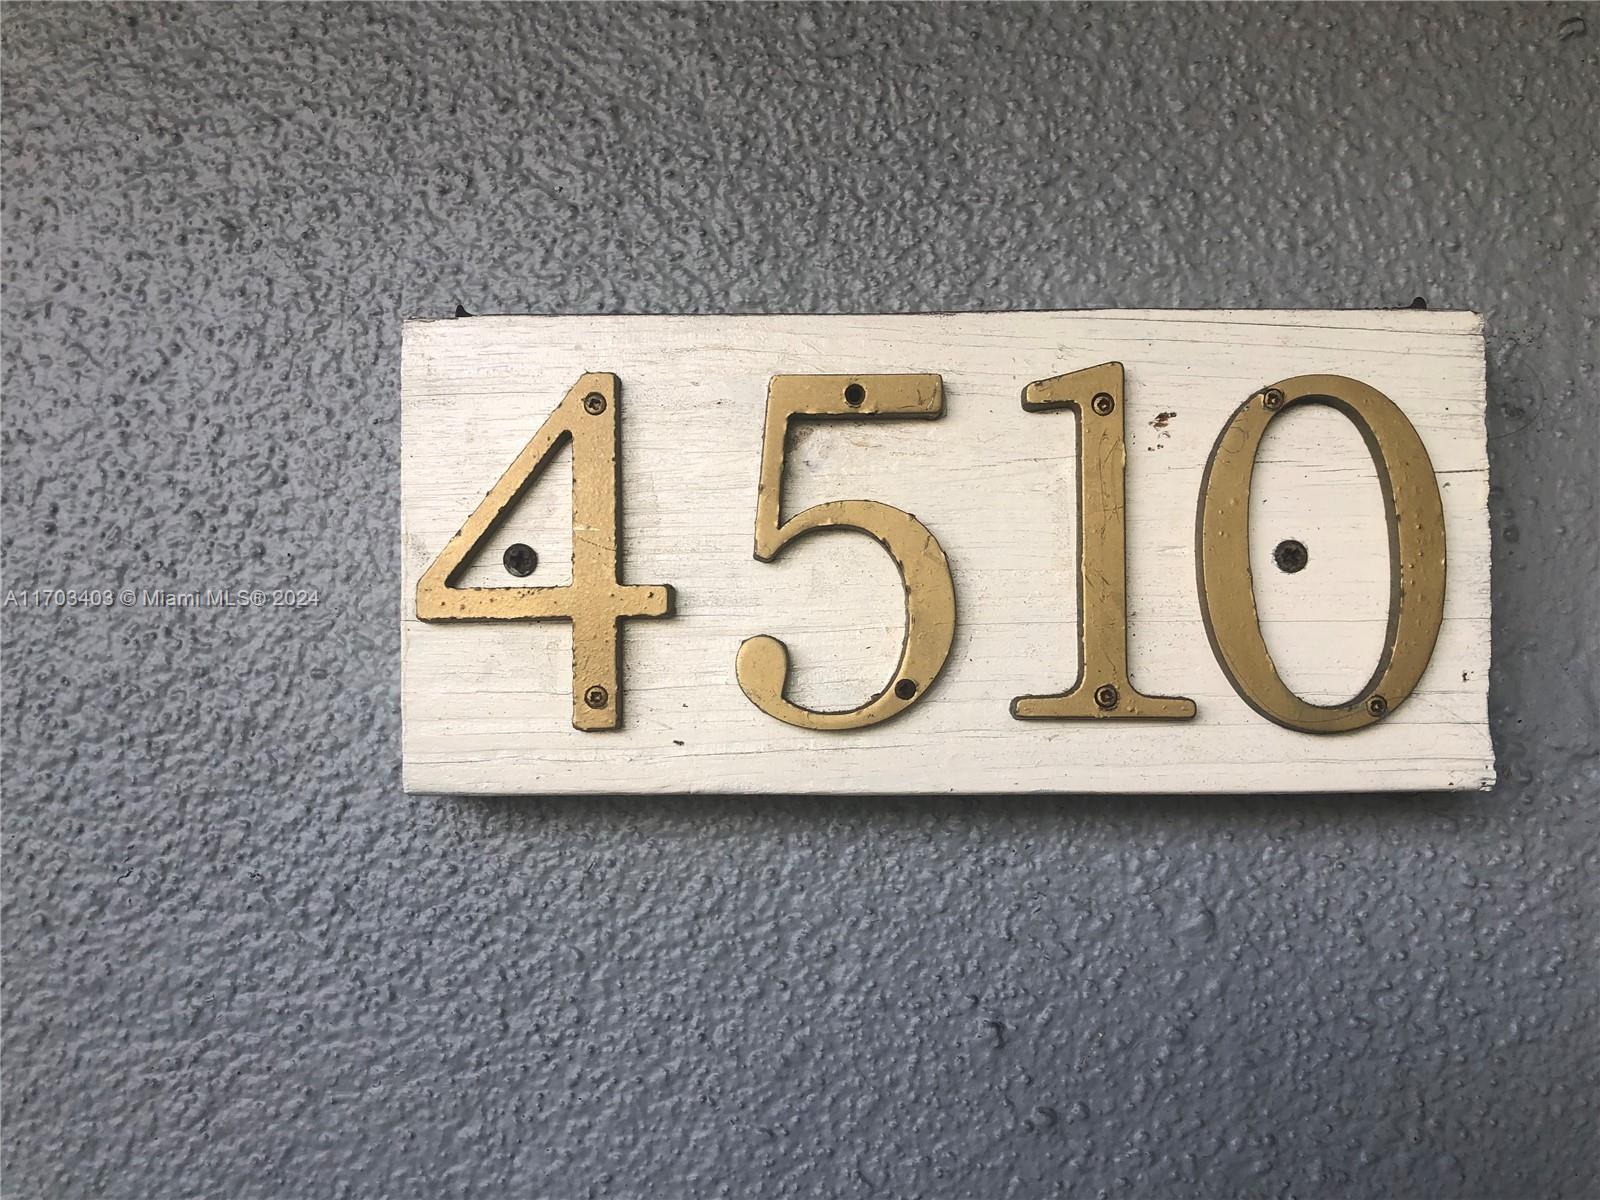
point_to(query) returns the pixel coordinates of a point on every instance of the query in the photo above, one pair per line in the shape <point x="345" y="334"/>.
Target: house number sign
<point x="981" y="552"/>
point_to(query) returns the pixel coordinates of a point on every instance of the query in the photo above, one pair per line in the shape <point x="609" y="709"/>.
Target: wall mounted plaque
<point x="983" y="552"/>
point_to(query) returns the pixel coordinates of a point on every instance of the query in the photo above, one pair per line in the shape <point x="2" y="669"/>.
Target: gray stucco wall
<point x="239" y="962"/>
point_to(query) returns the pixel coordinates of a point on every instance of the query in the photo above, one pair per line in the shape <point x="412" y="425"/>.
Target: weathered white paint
<point x="487" y="705"/>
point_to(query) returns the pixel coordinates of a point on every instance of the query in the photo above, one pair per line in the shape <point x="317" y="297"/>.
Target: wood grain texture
<point x="487" y="707"/>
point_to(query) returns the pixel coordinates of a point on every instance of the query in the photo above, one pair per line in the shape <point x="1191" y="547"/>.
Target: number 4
<point x="596" y="601"/>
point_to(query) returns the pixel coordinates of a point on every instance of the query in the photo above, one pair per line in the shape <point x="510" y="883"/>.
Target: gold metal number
<point x="1415" y="517"/>
<point x="763" y="662"/>
<point x="595" y="601"/>
<point x="1103" y="689"/>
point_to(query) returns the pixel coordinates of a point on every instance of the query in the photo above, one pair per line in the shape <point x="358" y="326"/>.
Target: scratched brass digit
<point x="1415" y="517"/>
<point x="596" y="601"/>
<point x="1103" y="689"/>
<point x="762" y="664"/>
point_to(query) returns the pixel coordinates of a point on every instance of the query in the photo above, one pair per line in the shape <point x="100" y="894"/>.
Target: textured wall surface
<point x="239" y="962"/>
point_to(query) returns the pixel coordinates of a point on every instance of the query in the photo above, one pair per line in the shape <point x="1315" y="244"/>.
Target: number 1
<point x="1103" y="689"/>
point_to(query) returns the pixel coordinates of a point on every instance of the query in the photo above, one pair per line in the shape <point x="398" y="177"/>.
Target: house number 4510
<point x="596" y="601"/>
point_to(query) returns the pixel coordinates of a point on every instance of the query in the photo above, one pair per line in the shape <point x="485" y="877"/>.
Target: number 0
<point x="1415" y="517"/>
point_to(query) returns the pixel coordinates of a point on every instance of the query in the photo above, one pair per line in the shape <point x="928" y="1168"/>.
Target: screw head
<point x="1377" y="706"/>
<point x="1291" y="556"/>
<point x="594" y="404"/>
<point x="1103" y="403"/>
<point x="520" y="559"/>
<point x="1273" y="399"/>
<point x="905" y="689"/>
<point x="854" y="395"/>
<point x="1106" y="696"/>
<point x="596" y="697"/>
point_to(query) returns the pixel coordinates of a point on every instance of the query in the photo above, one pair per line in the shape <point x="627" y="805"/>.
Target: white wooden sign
<point x="688" y="405"/>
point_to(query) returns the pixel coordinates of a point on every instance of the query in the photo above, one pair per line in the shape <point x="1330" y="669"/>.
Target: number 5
<point x="763" y="662"/>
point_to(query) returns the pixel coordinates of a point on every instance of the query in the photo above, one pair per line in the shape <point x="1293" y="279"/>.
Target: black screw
<point x="1103" y="404"/>
<point x="905" y="689"/>
<point x="520" y="560"/>
<point x="1377" y="706"/>
<point x="1106" y="696"/>
<point x="1273" y="399"/>
<point x="594" y="404"/>
<point x="853" y="396"/>
<point x="596" y="697"/>
<point x="1291" y="556"/>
